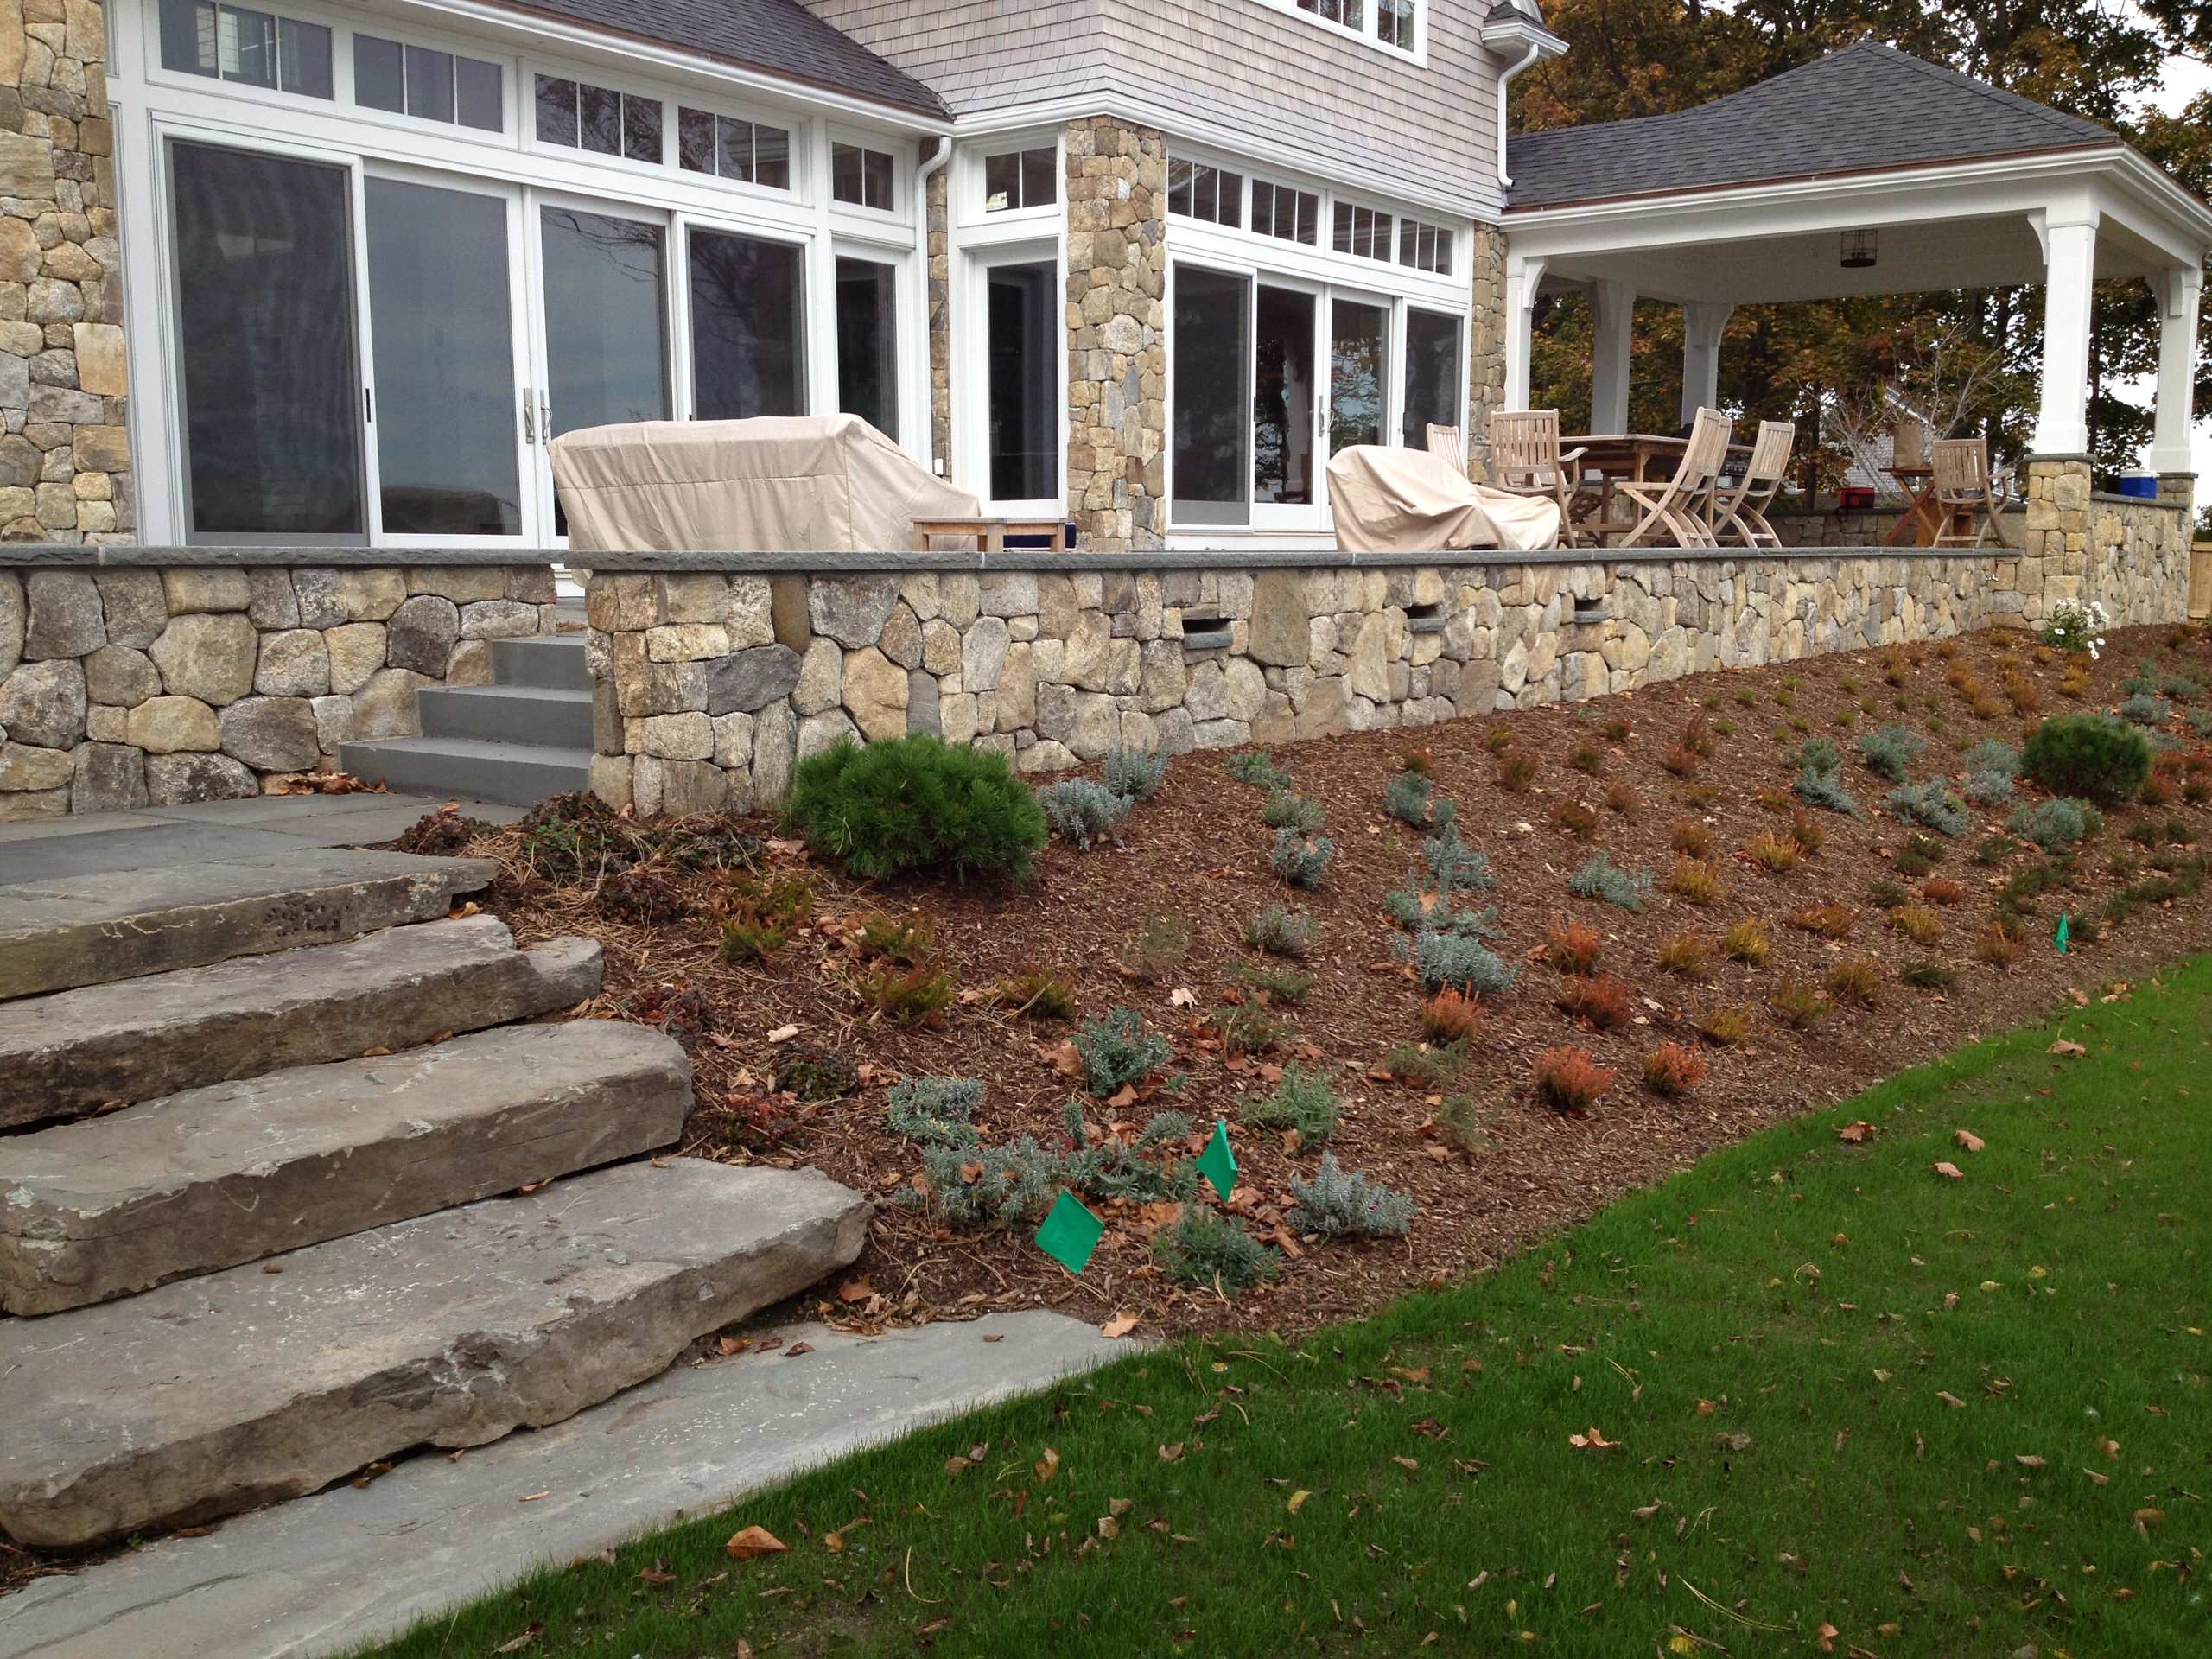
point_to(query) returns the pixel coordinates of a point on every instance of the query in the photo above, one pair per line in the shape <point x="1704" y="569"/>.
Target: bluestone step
<point x="513" y="775"/>
<point x="88" y="930"/>
<point x="216" y="1394"/>
<point x="214" y="1177"/>
<point x="545" y="716"/>
<point x="70" y="1052"/>
<point x="556" y="660"/>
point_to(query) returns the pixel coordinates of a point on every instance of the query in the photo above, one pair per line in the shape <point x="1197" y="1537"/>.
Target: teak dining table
<point x="1629" y="455"/>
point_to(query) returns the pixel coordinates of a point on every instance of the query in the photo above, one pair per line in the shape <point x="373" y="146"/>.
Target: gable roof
<point x="777" y="37"/>
<point x="1866" y="108"/>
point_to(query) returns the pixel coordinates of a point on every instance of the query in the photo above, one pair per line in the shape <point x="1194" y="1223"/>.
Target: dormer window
<point x="1393" y="24"/>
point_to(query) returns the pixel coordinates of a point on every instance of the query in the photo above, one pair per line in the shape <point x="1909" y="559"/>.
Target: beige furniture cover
<point x="1388" y="500"/>
<point x="800" y="484"/>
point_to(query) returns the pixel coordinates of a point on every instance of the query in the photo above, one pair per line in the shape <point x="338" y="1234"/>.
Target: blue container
<point x="2144" y="484"/>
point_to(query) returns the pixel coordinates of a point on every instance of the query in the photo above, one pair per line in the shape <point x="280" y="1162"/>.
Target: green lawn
<point x="1946" y="1417"/>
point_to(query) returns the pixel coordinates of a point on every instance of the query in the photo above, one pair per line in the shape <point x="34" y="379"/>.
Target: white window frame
<point x="900" y="211"/>
<point x="1369" y="32"/>
<point x="627" y="86"/>
<point x="978" y="224"/>
<point x="971" y="375"/>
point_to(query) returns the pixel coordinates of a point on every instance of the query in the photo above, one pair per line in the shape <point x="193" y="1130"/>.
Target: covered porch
<point x="1865" y="172"/>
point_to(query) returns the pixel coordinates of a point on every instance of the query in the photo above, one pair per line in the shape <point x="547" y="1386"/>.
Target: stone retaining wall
<point x="148" y="685"/>
<point x="713" y="683"/>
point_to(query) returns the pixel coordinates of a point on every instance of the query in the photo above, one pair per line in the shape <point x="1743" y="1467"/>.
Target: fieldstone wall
<point x="715" y="683"/>
<point x="1485" y="344"/>
<point x="1117" y="321"/>
<point x="64" y="454"/>
<point x="939" y="231"/>
<point x="2131" y="554"/>
<point x="154" y="686"/>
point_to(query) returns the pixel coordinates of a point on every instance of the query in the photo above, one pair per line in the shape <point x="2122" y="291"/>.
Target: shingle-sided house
<point x="306" y="272"/>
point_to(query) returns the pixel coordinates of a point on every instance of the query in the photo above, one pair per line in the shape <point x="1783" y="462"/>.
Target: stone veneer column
<point x="1118" y="359"/>
<point x="940" y="319"/>
<point x="1485" y="344"/>
<point x="64" y="459"/>
<point x="2055" y="556"/>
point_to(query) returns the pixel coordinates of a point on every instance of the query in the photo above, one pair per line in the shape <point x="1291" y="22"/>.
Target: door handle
<point x="544" y="416"/>
<point x="529" y="424"/>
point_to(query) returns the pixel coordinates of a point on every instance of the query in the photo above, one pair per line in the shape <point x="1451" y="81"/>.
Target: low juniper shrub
<point x="1117" y="1050"/>
<point x="1889" y="752"/>
<point x="935" y="1111"/>
<point x="1454" y="867"/>
<point x="1078" y="811"/>
<point x="1300" y="859"/>
<point x="1601" y="879"/>
<point x="1932" y="803"/>
<point x="1407" y="798"/>
<point x="1258" y="769"/>
<point x="1340" y="1205"/>
<point x="1421" y="912"/>
<point x="2053" y="825"/>
<point x="1286" y="810"/>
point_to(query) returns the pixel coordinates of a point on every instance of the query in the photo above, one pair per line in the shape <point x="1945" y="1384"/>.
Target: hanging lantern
<point x="1859" y="250"/>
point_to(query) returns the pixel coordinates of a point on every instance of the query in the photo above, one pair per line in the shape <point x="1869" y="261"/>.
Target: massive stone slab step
<point x="217" y="1176"/>
<point x="513" y="775"/>
<point x="89" y="929"/>
<point x="213" y="1394"/>
<point x="72" y="1051"/>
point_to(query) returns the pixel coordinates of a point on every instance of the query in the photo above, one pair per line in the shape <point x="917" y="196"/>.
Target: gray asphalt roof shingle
<point x="1867" y="106"/>
<point x="781" y="37"/>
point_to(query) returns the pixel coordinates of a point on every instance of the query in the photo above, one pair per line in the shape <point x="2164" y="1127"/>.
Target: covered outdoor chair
<point x="1741" y="512"/>
<point x="1680" y="506"/>
<point x="1525" y="460"/>
<point x="1964" y="488"/>
<point x="1446" y="443"/>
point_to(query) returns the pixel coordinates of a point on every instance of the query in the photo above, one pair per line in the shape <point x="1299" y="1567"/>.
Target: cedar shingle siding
<point x="1264" y="78"/>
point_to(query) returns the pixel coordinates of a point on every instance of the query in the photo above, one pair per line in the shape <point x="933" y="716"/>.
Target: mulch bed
<point x="1506" y="1169"/>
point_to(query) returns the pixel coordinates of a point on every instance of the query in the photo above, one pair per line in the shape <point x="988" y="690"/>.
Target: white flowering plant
<point x="2074" y="626"/>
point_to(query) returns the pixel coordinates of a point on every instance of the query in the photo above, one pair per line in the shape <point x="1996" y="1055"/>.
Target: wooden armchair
<point x="1525" y="460"/>
<point x="1742" y="512"/>
<point x="1963" y="487"/>
<point x="1680" y="504"/>
<point x="1446" y="444"/>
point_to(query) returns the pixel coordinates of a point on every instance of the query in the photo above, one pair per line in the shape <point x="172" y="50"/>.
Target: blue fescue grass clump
<point x="1820" y="777"/>
<point x="1463" y="964"/>
<point x="1599" y="878"/>
<point x="1078" y="811"/>
<point x="1454" y="867"/>
<point x="2146" y="708"/>
<point x="1932" y="804"/>
<point x="1889" y="752"/>
<point x="1347" y="1205"/>
<point x="1991" y="767"/>
<point x="2055" y="825"/>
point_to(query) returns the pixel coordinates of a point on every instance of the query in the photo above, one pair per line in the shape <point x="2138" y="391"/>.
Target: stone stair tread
<point x="515" y="774"/>
<point x="211" y="1395"/>
<point x="69" y="1052"/>
<point x="234" y="1171"/>
<point x="68" y="931"/>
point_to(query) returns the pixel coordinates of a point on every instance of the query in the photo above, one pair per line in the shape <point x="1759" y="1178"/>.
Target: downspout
<point x="922" y="176"/>
<point x="1504" y="84"/>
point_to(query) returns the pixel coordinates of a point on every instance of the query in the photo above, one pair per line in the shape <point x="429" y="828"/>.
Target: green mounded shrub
<point x="1300" y="859"/>
<point x="1303" y="1101"/>
<point x="1078" y="811"/>
<point x="915" y="804"/>
<point x="1601" y="879"/>
<point x="1132" y="773"/>
<point x="1407" y="797"/>
<point x="1889" y="752"/>
<point x="1258" y="769"/>
<point x="1340" y="1205"/>
<point x="2093" y="756"/>
<point x="2055" y="824"/>
<point x="1117" y="1049"/>
<point x="1461" y="962"/>
<point x="934" y="1111"/>
<point x="1205" y="1246"/>
<point x="1285" y="811"/>
<point x="1932" y="803"/>
<point x="1453" y="866"/>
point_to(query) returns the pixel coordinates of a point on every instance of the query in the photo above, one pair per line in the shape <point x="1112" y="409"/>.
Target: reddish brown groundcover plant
<point x="1672" y="1070"/>
<point x="1570" y="1081"/>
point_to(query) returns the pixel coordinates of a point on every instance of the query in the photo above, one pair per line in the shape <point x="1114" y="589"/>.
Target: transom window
<point x="597" y="119"/>
<point x="1280" y="210"/>
<point x="749" y="151"/>
<point x="429" y="85"/>
<point x="861" y="176"/>
<point x="1021" y="178"/>
<point x="1197" y="190"/>
<point x="1392" y="23"/>
<point x="253" y="48"/>
<point x="1424" y="247"/>
<point x="1365" y="232"/>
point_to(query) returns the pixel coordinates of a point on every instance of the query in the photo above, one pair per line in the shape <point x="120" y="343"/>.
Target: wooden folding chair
<point x="1446" y="444"/>
<point x="1742" y="512"/>
<point x="1963" y="487"/>
<point x="1525" y="460"/>
<point x="1680" y="505"/>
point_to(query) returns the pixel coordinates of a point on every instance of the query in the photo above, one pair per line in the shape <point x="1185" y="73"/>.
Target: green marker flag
<point x="1071" y="1233"/>
<point x="2062" y="934"/>
<point x="1217" y="1163"/>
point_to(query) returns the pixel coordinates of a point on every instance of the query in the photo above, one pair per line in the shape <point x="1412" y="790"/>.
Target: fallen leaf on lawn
<point x="1120" y="1325"/>
<point x="835" y="1542"/>
<point x="1171" y="1454"/>
<point x="1411" y="1466"/>
<point x="2147" y="1519"/>
<point x="1298" y="1500"/>
<point x="1109" y="1527"/>
<point x="1855" y="1133"/>
<point x="2062" y="1046"/>
<point x="1827" y="1634"/>
<point x="749" y="1542"/>
<point x="530" y="1633"/>
<point x="2028" y="1460"/>
<point x="1049" y="1465"/>
<point x="1948" y="1398"/>
<point x="657" y="1574"/>
<point x="1950" y="1171"/>
<point x="1183" y="997"/>
<point x="1732" y="1442"/>
<point x="1969" y="1139"/>
<point x="958" y="1465"/>
<point x="1594" y="1441"/>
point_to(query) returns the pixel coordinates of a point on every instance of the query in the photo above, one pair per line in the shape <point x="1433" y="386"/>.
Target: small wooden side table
<point x="1922" y="522"/>
<point x="988" y="535"/>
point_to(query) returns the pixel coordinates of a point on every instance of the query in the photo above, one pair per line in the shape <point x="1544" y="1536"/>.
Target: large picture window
<point x="1022" y="316"/>
<point x="272" y="398"/>
<point x="1434" y="385"/>
<point x="748" y="328"/>
<point x="1213" y="370"/>
<point x="868" y="342"/>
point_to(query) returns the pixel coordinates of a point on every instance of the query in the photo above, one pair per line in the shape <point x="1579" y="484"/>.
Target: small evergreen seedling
<point x="1407" y="797"/>
<point x="1601" y="879"/>
<point x="1889" y="752"/>
<point x="1117" y="1050"/>
<point x="1276" y="932"/>
<point x="1303" y="1101"/>
<point x="935" y="1111"/>
<point x="1453" y="864"/>
<point x="1207" y="1248"/>
<point x="1285" y="811"/>
<point x="1299" y="859"/>
<point x="1132" y="773"/>
<point x="1258" y="769"/>
<point x="1340" y="1205"/>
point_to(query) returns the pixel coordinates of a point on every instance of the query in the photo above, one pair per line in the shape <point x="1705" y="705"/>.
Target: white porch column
<point x="2180" y="291"/>
<point x="1522" y="278"/>
<point x="2069" y="266"/>
<point x="1612" y="312"/>
<point x="1703" y="324"/>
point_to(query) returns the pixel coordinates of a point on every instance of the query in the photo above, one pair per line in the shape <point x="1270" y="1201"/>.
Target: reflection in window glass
<point x="556" y="111"/>
<point x="1365" y="232"/>
<point x="859" y="177"/>
<point x="748" y="332"/>
<point x="641" y="128"/>
<point x="745" y="150"/>
<point x="303" y="58"/>
<point x="1021" y="327"/>
<point x="606" y="348"/>
<point x="430" y="84"/>
<point x="444" y="347"/>
<point x="1432" y="380"/>
<point x="1024" y="178"/>
<point x="598" y="119"/>
<point x="1359" y="372"/>
<point x="379" y="82"/>
<point x="1395" y="24"/>
<point x="271" y="399"/>
<point x="1283" y="398"/>
<point x="868" y="342"/>
<point x="437" y="86"/>
<point x="1198" y="190"/>
<point x="1212" y="425"/>
<point x="250" y="48"/>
